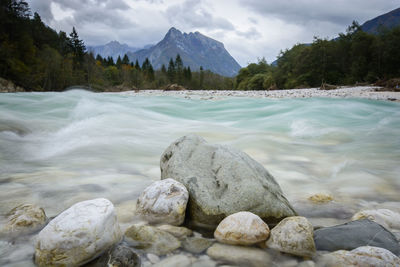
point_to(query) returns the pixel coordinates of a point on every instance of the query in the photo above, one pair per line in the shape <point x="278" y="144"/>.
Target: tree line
<point x="355" y="57"/>
<point x="37" y="58"/>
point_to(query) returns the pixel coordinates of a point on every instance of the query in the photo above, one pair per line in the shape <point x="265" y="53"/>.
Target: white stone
<point x="163" y="202"/>
<point x="385" y="217"/>
<point x="362" y="256"/>
<point x="293" y="235"/>
<point x="242" y="228"/>
<point x="78" y="235"/>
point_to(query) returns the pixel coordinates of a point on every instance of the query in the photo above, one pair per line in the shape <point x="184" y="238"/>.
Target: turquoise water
<point x="60" y="148"/>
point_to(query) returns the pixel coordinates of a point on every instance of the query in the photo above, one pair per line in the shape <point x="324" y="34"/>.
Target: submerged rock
<point x="242" y="228"/>
<point x="175" y="261"/>
<point x="221" y="181"/>
<point x="196" y="244"/>
<point x="293" y="235"/>
<point x="23" y="219"/>
<point x="238" y="255"/>
<point x="385" y="217"/>
<point x="178" y="232"/>
<point x="320" y="198"/>
<point x="119" y="256"/>
<point x="362" y="256"/>
<point x="78" y="235"/>
<point x="151" y="239"/>
<point x="355" y="234"/>
<point x="163" y="202"/>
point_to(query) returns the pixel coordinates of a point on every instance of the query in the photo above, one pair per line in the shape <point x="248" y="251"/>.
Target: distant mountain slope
<point x="195" y="50"/>
<point x="388" y="20"/>
<point x="112" y="49"/>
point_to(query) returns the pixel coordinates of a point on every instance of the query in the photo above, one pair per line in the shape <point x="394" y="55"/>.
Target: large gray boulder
<point x="355" y="234"/>
<point x="221" y="181"/>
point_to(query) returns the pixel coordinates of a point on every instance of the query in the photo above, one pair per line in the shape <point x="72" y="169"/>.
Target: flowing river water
<point x="57" y="149"/>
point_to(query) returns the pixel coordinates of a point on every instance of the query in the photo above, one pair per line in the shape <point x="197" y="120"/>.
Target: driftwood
<point x="174" y="87"/>
<point x="326" y="86"/>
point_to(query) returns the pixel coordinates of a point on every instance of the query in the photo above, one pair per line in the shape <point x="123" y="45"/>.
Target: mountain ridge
<point x="388" y="20"/>
<point x="195" y="50"/>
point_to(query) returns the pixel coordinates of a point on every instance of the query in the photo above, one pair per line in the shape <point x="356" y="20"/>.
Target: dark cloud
<point x="340" y="12"/>
<point x="193" y="14"/>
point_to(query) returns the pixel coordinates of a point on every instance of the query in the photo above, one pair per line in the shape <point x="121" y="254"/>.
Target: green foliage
<point x="355" y="56"/>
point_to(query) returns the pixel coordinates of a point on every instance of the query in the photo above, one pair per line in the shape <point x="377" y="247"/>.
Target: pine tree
<point x="77" y="46"/>
<point x="125" y="60"/>
<point x="137" y="66"/>
<point x="179" y="69"/>
<point x="201" y="77"/>
<point x="163" y="69"/>
<point x="171" y="71"/>
<point x="119" y="62"/>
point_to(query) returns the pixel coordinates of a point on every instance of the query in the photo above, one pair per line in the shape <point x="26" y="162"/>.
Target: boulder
<point x="355" y="234"/>
<point x="151" y="239"/>
<point x="242" y="228"/>
<point x="78" y="235"/>
<point x="221" y="181"/>
<point x="163" y="202"/>
<point x="24" y="219"/>
<point x="363" y="256"/>
<point x="293" y="235"/>
<point x="238" y="255"/>
<point x="385" y="217"/>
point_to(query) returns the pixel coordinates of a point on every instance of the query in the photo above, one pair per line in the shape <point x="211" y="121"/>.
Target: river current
<point x="57" y="149"/>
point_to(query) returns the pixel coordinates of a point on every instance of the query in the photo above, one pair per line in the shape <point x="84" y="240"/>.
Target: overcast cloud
<point x="250" y="29"/>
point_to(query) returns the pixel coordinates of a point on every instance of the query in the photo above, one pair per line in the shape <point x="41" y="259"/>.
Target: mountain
<point x="195" y="50"/>
<point x="112" y="49"/>
<point x="388" y="20"/>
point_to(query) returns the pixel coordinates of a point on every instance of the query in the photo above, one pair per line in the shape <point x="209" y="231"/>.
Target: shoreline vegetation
<point x="37" y="58"/>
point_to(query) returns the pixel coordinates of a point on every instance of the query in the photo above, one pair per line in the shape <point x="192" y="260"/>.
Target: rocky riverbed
<point x="367" y="92"/>
<point x="213" y="206"/>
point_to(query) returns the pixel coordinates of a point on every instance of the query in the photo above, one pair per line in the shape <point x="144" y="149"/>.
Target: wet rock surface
<point x="355" y="234"/>
<point x="221" y="181"/>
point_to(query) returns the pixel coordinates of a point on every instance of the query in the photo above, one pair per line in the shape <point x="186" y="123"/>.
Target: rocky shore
<point x="213" y="206"/>
<point x="367" y="92"/>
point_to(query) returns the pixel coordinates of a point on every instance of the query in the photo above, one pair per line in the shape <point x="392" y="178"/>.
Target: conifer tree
<point x="171" y="71"/>
<point x="125" y="60"/>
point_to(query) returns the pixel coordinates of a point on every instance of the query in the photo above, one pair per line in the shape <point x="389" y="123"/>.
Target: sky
<point x="249" y="29"/>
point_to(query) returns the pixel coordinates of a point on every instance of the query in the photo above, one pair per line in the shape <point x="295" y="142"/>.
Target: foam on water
<point x="60" y="148"/>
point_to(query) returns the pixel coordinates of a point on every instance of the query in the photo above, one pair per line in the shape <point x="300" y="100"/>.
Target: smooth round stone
<point x="163" y="202"/>
<point x="242" y="228"/>
<point x="362" y="256"/>
<point x="385" y="217"/>
<point x="222" y="180"/>
<point x="23" y="219"/>
<point x="355" y="234"/>
<point x="151" y="239"/>
<point x="293" y="235"/>
<point x="78" y="235"/>
<point x="178" y="232"/>
<point x="239" y="255"/>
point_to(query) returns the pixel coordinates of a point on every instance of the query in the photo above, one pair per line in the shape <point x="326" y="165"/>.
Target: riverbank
<point x="368" y="92"/>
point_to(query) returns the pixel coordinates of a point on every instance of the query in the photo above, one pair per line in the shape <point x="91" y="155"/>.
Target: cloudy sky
<point x="249" y="29"/>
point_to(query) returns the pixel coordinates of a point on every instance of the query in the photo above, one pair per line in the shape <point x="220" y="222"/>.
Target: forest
<point x="353" y="58"/>
<point x="37" y="58"/>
